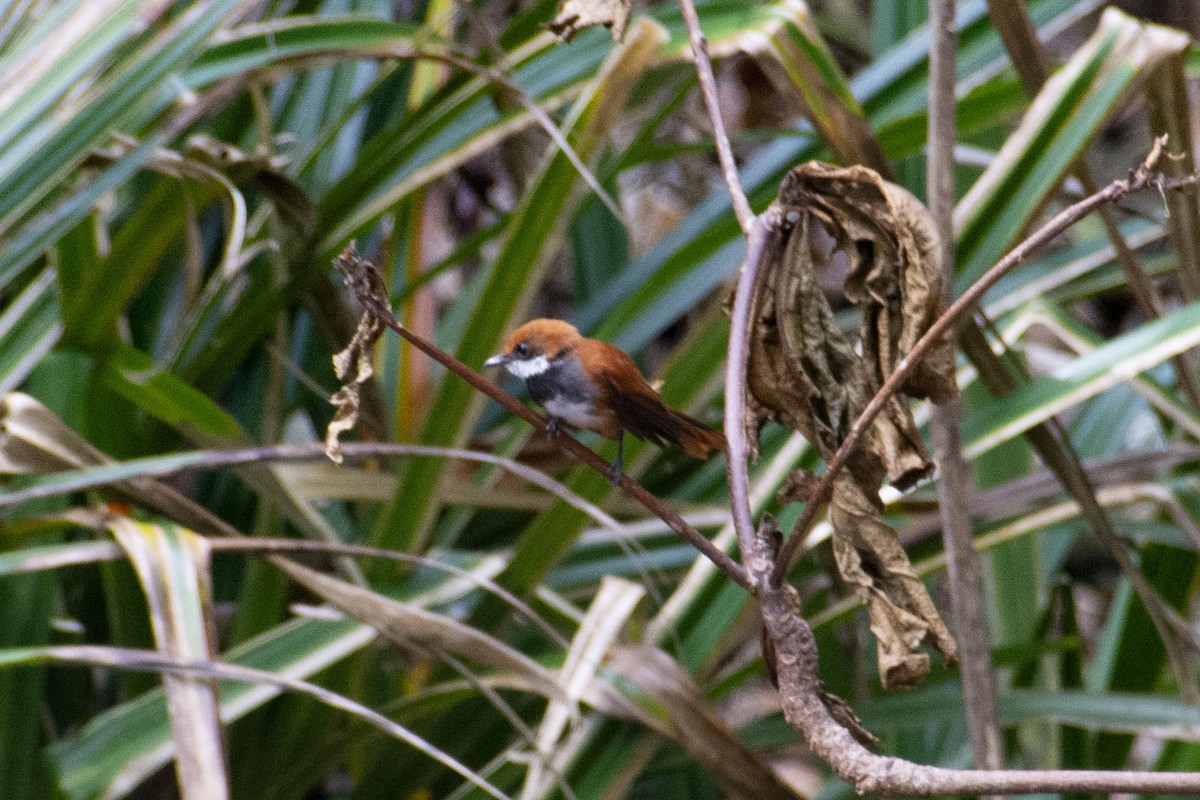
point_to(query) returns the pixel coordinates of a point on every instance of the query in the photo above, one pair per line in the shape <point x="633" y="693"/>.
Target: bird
<point x="592" y="385"/>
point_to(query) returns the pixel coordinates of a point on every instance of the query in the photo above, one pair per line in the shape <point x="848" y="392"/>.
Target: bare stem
<point x="735" y="388"/>
<point x="1139" y="178"/>
<point x="708" y="88"/>
<point x="956" y="480"/>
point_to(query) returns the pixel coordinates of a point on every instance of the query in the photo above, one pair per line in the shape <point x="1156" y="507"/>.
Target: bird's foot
<point x="613" y="473"/>
<point x="553" y="427"/>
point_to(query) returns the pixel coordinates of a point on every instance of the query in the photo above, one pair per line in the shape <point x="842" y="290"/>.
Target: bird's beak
<point x="496" y="360"/>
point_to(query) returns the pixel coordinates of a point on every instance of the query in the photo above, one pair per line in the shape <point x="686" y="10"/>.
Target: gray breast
<point x="564" y="382"/>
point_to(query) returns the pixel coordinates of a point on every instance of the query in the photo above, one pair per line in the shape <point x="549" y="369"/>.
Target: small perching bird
<point x="596" y="386"/>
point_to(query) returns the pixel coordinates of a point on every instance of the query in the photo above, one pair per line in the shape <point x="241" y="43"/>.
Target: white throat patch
<point x="529" y="367"/>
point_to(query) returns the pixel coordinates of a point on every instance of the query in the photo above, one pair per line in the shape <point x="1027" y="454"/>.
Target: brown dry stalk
<point x="708" y="89"/>
<point x="805" y="707"/>
<point x="956" y="479"/>
<point x="735" y="396"/>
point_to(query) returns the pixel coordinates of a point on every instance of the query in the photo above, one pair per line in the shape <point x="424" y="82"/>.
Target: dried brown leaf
<point x="575" y="15"/>
<point x="870" y="558"/>
<point x="797" y="487"/>
<point x="806" y="374"/>
<point x="355" y="358"/>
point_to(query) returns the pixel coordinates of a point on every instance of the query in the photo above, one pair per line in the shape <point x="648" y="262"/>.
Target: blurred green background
<point x="175" y="179"/>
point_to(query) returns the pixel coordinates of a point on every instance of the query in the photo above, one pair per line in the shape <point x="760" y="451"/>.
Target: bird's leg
<point x="553" y="427"/>
<point x="614" y="469"/>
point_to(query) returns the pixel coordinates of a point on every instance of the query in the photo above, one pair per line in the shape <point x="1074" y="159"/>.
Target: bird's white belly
<point x="575" y="413"/>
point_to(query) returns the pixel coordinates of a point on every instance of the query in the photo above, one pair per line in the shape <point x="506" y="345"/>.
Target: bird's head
<point x="531" y="348"/>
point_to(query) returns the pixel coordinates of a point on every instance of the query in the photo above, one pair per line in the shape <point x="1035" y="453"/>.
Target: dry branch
<point x="956" y="480"/>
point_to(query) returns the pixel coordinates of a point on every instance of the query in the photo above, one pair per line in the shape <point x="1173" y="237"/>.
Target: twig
<point x="358" y="276"/>
<point x="735" y="388"/>
<point x="708" y="89"/>
<point x="1139" y="178"/>
<point x="755" y="230"/>
<point x="1028" y="56"/>
<point x="739" y="342"/>
<point x="956" y="480"/>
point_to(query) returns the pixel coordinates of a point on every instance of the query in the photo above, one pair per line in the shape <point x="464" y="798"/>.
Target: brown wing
<point x="640" y="411"/>
<point x="644" y="415"/>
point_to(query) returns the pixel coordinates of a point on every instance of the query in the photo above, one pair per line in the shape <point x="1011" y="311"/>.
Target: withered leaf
<point x="356" y="359"/>
<point x="797" y="487"/>
<point x="575" y="15"/>
<point x="807" y="375"/>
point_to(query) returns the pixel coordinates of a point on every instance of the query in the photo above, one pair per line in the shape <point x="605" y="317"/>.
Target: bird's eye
<point x="521" y="349"/>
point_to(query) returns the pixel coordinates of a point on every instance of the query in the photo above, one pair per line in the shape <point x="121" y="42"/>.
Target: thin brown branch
<point x="956" y="481"/>
<point x="1143" y="176"/>
<point x="357" y="274"/>
<point x="708" y="89"/>
<point x="735" y="388"/>
<point x="1015" y="26"/>
<point x="1028" y="56"/>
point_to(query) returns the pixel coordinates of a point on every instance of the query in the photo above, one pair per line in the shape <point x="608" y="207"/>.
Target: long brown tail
<point x="696" y="438"/>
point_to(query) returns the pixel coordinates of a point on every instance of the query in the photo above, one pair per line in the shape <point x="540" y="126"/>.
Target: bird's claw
<point x="613" y="473"/>
<point x="553" y="427"/>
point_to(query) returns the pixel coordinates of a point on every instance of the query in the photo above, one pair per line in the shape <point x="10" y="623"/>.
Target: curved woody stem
<point x="708" y="89"/>
<point x="735" y="388"/>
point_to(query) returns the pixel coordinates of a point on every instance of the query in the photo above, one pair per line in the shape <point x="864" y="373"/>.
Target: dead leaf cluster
<point x="356" y="357"/>
<point x="575" y="15"/>
<point x="806" y="374"/>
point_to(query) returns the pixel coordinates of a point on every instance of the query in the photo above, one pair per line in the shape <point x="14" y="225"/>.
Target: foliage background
<point x="174" y="181"/>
